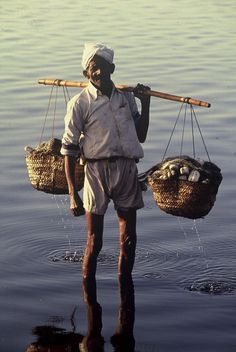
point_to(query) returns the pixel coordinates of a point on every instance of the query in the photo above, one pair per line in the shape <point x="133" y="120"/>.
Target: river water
<point x="180" y="47"/>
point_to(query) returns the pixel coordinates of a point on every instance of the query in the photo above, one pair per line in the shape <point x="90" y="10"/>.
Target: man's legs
<point x="128" y="238"/>
<point x="94" y="243"/>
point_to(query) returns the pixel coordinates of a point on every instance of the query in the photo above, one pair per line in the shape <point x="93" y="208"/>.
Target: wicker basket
<point x="184" y="198"/>
<point x="46" y="172"/>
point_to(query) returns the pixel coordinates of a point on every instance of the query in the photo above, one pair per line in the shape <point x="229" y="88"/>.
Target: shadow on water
<point x="55" y="339"/>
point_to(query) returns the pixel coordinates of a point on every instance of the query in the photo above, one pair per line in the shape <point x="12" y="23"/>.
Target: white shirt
<point x="106" y="125"/>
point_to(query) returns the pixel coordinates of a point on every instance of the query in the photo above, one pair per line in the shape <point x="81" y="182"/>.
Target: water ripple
<point x="217" y="278"/>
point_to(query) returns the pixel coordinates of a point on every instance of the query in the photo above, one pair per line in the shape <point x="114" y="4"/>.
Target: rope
<point x="191" y="112"/>
<point x="193" y="116"/>
<point x="200" y="133"/>
<point x="66" y="94"/>
<point x="46" y="115"/>
<point x="182" y="138"/>
<point x="54" y="114"/>
<point x="172" y="132"/>
<point x="66" y="97"/>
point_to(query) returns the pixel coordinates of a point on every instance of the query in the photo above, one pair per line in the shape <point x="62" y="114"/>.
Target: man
<point x="104" y="126"/>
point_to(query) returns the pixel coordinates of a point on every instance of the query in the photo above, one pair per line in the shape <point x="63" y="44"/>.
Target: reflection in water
<point x="123" y="339"/>
<point x="54" y="339"/>
<point x="93" y="341"/>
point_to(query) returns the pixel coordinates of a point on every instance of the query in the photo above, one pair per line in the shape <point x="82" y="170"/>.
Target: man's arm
<point x="143" y="122"/>
<point x="76" y="204"/>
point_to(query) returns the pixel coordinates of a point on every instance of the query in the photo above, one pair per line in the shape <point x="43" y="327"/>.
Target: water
<point x="183" y="48"/>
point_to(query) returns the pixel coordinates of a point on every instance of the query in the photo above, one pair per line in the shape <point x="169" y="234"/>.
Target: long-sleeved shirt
<point x="107" y="126"/>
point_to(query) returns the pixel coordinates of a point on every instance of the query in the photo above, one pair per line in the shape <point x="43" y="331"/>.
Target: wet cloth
<point x="107" y="180"/>
<point x="108" y="125"/>
<point x="91" y="49"/>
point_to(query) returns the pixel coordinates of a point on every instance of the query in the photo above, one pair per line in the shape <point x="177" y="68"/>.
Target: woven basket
<point x="46" y="172"/>
<point x="185" y="198"/>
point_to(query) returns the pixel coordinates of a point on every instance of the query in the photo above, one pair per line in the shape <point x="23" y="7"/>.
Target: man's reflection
<point x="93" y="341"/>
<point x="54" y="339"/>
<point x="123" y="339"/>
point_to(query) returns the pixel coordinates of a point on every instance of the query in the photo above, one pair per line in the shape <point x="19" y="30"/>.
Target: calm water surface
<point x="184" y="48"/>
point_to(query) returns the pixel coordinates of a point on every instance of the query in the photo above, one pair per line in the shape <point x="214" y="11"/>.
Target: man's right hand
<point x="76" y="205"/>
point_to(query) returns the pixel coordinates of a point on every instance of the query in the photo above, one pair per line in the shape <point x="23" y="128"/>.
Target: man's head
<point x="91" y="49"/>
<point x="97" y="62"/>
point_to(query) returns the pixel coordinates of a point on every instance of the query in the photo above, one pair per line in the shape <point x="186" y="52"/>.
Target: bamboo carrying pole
<point x="153" y="93"/>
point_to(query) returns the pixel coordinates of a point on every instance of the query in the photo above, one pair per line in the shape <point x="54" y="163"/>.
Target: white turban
<point x="91" y="49"/>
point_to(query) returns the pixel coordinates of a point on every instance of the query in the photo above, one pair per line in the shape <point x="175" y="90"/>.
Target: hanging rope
<point x="46" y="115"/>
<point x="66" y="97"/>
<point x="172" y="132"/>
<point x="66" y="94"/>
<point x="183" y="130"/>
<point x="191" y="112"/>
<point x="200" y="133"/>
<point x="54" y="113"/>
<point x="192" y="117"/>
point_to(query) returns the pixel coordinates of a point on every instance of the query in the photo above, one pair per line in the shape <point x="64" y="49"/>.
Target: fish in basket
<point x="45" y="166"/>
<point x="185" y="187"/>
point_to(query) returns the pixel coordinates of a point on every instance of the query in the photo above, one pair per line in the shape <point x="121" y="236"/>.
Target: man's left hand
<point x="139" y="92"/>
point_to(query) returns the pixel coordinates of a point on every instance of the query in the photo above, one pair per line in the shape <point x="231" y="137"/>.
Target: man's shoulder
<point x="81" y="97"/>
<point x="128" y="95"/>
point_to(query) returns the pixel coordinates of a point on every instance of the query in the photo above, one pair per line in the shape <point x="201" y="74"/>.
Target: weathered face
<point x="99" y="71"/>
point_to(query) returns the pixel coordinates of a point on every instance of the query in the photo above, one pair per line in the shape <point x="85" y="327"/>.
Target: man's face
<point x="99" y="71"/>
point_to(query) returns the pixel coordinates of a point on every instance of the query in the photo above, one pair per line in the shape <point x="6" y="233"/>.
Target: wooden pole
<point x="153" y="93"/>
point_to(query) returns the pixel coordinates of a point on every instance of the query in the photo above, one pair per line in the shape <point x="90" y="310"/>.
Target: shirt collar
<point x="96" y="92"/>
